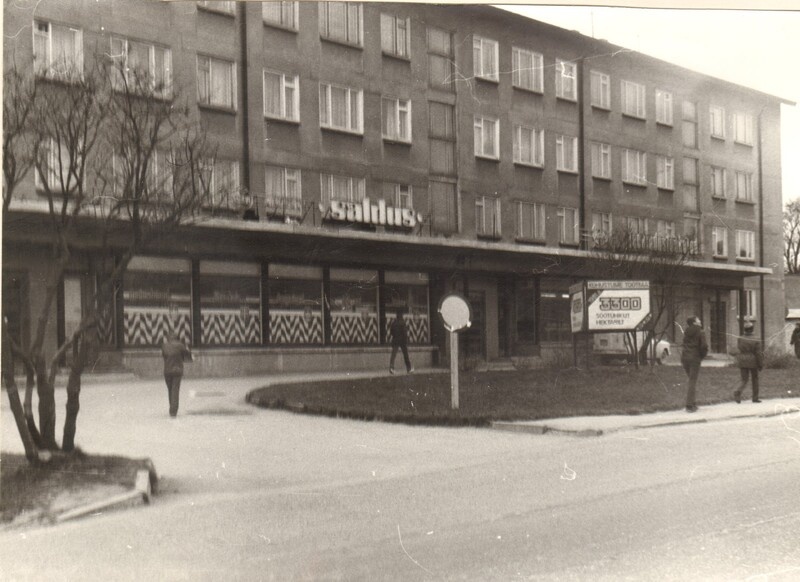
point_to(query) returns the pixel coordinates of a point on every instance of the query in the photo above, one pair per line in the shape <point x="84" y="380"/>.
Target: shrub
<point x="778" y="358"/>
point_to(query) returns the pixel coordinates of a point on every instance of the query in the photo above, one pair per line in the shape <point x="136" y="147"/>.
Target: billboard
<point x="617" y="305"/>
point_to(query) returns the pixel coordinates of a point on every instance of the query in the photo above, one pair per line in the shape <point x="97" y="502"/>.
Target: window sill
<point x="720" y="257"/>
<point x="743" y="143"/>
<point x="569" y="245"/>
<point x="396" y="141"/>
<point x="599" y="107"/>
<point x="529" y="91"/>
<point x="669" y="189"/>
<point x="602" y="178"/>
<point x="567" y="99"/>
<point x="487" y="158"/>
<point x="280" y="27"/>
<point x="634" y="116"/>
<point x="216" y="108"/>
<point x="213" y="11"/>
<point x="351" y="45"/>
<point x="489" y="80"/>
<point x="65" y="80"/>
<point x="396" y="57"/>
<point x="720" y="198"/>
<point x="718" y="137"/>
<point x="745" y="260"/>
<point x="342" y="131"/>
<point x="745" y="202"/>
<point x="530" y="241"/>
<point x="635" y="184"/>
<point x="664" y="124"/>
<point x="282" y="120"/>
<point x="529" y="165"/>
<point x="489" y="237"/>
<point x="565" y="171"/>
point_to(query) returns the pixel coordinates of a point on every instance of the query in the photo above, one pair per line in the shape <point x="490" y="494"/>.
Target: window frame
<point x="604" y="90"/>
<point x="716" y="122"/>
<point x="234" y="90"/>
<point x="561" y="213"/>
<point x="566" y="83"/>
<point x="665" y="107"/>
<point x="481" y="120"/>
<point x="561" y="150"/>
<point x="665" y="172"/>
<point x="748" y="237"/>
<point x="538" y="221"/>
<point x="747" y="128"/>
<point x="396" y="103"/>
<point x="405" y="53"/>
<point x="719" y="177"/>
<point x="536" y="148"/>
<point x="483" y="202"/>
<point x="477" y="64"/>
<point x="640" y="177"/>
<point x="282" y="116"/>
<point x="536" y="69"/>
<point x="637" y="109"/>
<point x="325" y="24"/>
<point x="328" y="103"/>
<point x="748" y="198"/>
<point x="47" y="70"/>
<point x="604" y="157"/>
<point x="719" y="234"/>
<point x="294" y="26"/>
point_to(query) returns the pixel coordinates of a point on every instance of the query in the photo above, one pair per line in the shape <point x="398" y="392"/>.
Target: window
<point x="487" y="138"/>
<point x="60" y="173"/>
<point x="743" y="128"/>
<point x="398" y="195"/>
<point x="636" y="225"/>
<point x="216" y="82"/>
<point x="396" y="119"/>
<point x="719" y="241"/>
<point x="141" y="67"/>
<point x="690" y="184"/>
<point x="602" y="226"/>
<point x="341" y="188"/>
<point x="665" y="173"/>
<point x="219" y="182"/>
<point x="57" y="50"/>
<point x="442" y="142"/>
<point x="716" y="119"/>
<point x="744" y="186"/>
<point x="665" y="229"/>
<point x="444" y="207"/>
<point x="341" y="108"/>
<point x="354" y="306"/>
<point x="530" y="221"/>
<point x="341" y="22"/>
<point x="745" y="245"/>
<point x="395" y="35"/>
<point x="689" y="128"/>
<point x="691" y="234"/>
<point x="750" y="304"/>
<point x="566" y="153"/>
<point x="633" y="103"/>
<point x="230" y="303"/>
<point x="217" y="6"/>
<point x="295" y="304"/>
<point x="407" y="292"/>
<point x="566" y="80"/>
<point x="487" y="216"/>
<point x="484" y="58"/>
<point x="281" y="96"/>
<point x="601" y="90"/>
<point x="526" y="70"/>
<point x="440" y="59"/>
<point x="281" y="14"/>
<point x="601" y="160"/>
<point x="567" y="225"/>
<point x="718" y="189"/>
<point x="528" y="146"/>
<point x="634" y="167"/>
<point x="283" y="193"/>
<point x="526" y="301"/>
<point x="663" y="107"/>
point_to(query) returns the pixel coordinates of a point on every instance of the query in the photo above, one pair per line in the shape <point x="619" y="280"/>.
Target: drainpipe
<point x="761" y="297"/>
<point x="584" y="242"/>
<point x="245" y="97"/>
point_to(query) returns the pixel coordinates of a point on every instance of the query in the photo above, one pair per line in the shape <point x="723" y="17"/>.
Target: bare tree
<point x="661" y="260"/>
<point x="116" y="158"/>
<point x="791" y="237"/>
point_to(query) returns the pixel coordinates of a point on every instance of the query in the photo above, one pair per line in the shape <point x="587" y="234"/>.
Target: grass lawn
<point x="518" y="395"/>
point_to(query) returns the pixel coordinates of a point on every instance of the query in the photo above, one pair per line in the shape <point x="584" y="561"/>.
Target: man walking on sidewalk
<point x="695" y="349"/>
<point x="750" y="360"/>
<point x="399" y="333"/>
<point x="174" y="352"/>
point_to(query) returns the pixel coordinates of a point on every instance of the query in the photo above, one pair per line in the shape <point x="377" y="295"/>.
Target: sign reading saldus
<point x="379" y="214"/>
<point x="617" y="305"/>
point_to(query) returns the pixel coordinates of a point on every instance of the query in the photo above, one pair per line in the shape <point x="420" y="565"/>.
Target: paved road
<point x="264" y="495"/>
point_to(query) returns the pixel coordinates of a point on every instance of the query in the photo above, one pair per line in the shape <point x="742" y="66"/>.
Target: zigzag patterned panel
<point x="353" y="328"/>
<point x="293" y="327"/>
<point x="148" y="326"/>
<point x="105" y="327"/>
<point x="417" y="326"/>
<point x="229" y="327"/>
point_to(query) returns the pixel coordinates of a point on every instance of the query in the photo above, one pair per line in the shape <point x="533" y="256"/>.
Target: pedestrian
<point x="399" y="333"/>
<point x="695" y="349"/>
<point x="795" y="341"/>
<point x="174" y="352"/>
<point x="750" y="360"/>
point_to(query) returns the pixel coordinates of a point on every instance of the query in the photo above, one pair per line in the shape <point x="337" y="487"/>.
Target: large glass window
<point x="555" y="310"/>
<point x="408" y="293"/>
<point x="295" y="304"/>
<point x="230" y="303"/>
<point x="157" y="299"/>
<point x="354" y="306"/>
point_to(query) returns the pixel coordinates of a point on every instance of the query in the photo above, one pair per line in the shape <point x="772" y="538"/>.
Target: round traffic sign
<point x="455" y="311"/>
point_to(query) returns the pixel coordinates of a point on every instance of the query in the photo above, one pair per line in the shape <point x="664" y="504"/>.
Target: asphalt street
<point x="251" y="494"/>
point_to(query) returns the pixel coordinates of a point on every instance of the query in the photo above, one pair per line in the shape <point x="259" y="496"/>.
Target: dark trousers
<point x="692" y="371"/>
<point x="403" y="347"/>
<point x="173" y="391"/>
<point x="751" y="373"/>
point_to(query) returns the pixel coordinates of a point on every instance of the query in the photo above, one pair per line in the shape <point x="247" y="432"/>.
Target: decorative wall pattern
<point x="105" y="326"/>
<point x="230" y="327"/>
<point x="148" y="326"/>
<point x="291" y="326"/>
<point x="354" y="328"/>
<point x="417" y="325"/>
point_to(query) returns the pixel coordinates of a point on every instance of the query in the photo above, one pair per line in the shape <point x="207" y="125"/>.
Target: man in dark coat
<point x="399" y="333"/>
<point x="750" y="360"/>
<point x="695" y="349"/>
<point x="795" y="341"/>
<point x="174" y="353"/>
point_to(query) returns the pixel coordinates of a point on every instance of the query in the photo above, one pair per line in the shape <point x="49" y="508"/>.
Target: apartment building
<point x="373" y="157"/>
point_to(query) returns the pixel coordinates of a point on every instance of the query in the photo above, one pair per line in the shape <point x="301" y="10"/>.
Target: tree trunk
<point x="16" y="404"/>
<point x="80" y="351"/>
<point x="27" y="407"/>
<point x="47" y="406"/>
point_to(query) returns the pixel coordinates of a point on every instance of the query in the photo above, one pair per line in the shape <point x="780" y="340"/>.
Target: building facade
<point x="374" y="157"/>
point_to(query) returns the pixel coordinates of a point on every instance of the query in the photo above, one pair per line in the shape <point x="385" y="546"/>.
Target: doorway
<point x="718" y="325"/>
<point x="475" y="336"/>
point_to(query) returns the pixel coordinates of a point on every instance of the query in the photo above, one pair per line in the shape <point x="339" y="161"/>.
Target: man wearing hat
<point x="694" y="350"/>
<point x="750" y="360"/>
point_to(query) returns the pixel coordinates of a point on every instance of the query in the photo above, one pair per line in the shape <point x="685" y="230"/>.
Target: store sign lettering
<point x="377" y="214"/>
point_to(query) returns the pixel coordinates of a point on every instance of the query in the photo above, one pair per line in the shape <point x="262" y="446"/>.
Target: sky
<point x="755" y="48"/>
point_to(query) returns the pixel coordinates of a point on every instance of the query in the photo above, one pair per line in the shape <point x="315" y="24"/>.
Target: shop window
<point x="354" y="306"/>
<point x="295" y="304"/>
<point x="157" y="299"/>
<point x="526" y="311"/>
<point x="408" y="292"/>
<point x="555" y="311"/>
<point x="230" y="303"/>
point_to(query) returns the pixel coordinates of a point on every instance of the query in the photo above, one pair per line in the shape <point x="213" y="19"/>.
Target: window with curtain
<point x="281" y="14"/>
<point x="719" y="241"/>
<point x="396" y="115"/>
<point x="57" y="50"/>
<point x="216" y="82"/>
<point x="295" y="304"/>
<point x="566" y="153"/>
<point x="142" y="67"/>
<point x="281" y="96"/>
<point x="283" y="191"/>
<point x="341" y="22"/>
<point x="487" y="216"/>
<point x="219" y="183"/>
<point x="663" y="107"/>
<point x="566" y="80"/>
<point x="601" y="160"/>
<point x="568" y="225"/>
<point x="743" y="128"/>
<point x="745" y="245"/>
<point x="665" y="173"/>
<point x="398" y="195"/>
<point x="600" y="90"/>
<point x="744" y="186"/>
<point x="484" y="58"/>
<point x="395" y="35"/>
<point x="342" y="188"/>
<point x="340" y="108"/>
<point x="487" y="137"/>
<point x="716" y="120"/>
<point x="526" y="70"/>
<point x="633" y="99"/>
<point x="530" y="221"/>
<point x="718" y="189"/>
<point x="634" y="167"/>
<point x="528" y="146"/>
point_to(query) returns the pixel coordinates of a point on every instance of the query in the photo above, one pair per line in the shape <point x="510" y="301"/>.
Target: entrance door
<point x="719" y="329"/>
<point x="475" y="336"/>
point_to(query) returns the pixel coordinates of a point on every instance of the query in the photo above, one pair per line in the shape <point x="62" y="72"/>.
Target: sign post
<point x="457" y="316"/>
